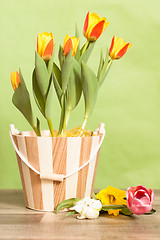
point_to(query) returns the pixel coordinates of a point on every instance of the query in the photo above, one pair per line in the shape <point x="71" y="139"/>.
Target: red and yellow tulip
<point x="15" y="80"/>
<point x="70" y="43"/>
<point x="118" y="48"/>
<point x="94" y="26"/>
<point x="45" y="44"/>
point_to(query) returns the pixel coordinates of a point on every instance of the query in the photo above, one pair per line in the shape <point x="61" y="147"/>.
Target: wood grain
<point x="18" y="222"/>
<point x="59" y="156"/>
<point x="86" y="144"/>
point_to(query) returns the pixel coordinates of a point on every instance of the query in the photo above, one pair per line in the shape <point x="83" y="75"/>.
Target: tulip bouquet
<point x="70" y="78"/>
<point x="136" y="200"/>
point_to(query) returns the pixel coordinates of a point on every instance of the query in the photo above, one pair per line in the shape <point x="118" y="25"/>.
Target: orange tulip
<point x="45" y="44"/>
<point x="70" y="43"/>
<point x="118" y="48"/>
<point x="15" y="80"/>
<point x="94" y="26"/>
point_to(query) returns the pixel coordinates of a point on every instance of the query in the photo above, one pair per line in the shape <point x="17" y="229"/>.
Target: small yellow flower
<point x="110" y="196"/>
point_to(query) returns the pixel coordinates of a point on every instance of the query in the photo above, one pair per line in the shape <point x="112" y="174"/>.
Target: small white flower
<point x="88" y="208"/>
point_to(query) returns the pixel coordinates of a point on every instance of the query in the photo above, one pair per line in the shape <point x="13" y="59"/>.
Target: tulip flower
<point x="94" y="26"/>
<point x="118" y="48"/>
<point x="45" y="44"/>
<point x="139" y="199"/>
<point x="15" y="80"/>
<point x="70" y="43"/>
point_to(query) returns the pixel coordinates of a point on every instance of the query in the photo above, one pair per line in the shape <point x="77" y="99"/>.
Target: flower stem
<point x="84" y="122"/>
<point x="85" y="47"/>
<point x="50" y="127"/>
<point x="61" y="125"/>
<point x="109" y="64"/>
<point x="36" y="131"/>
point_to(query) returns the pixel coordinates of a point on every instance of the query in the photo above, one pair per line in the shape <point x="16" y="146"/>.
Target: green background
<point x="128" y="102"/>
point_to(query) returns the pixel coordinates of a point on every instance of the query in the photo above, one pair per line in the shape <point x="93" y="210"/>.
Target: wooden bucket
<point x="53" y="169"/>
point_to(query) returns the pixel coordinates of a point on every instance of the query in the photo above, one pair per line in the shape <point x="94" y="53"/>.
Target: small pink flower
<point x="139" y="199"/>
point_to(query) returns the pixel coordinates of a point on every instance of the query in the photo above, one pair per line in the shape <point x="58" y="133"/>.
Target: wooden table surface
<point x="18" y="222"/>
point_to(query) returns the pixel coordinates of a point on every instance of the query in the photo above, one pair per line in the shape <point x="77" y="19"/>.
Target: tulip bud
<point x="118" y="48"/>
<point x="15" y="80"/>
<point x="45" y="44"/>
<point x="70" y="43"/>
<point x="94" y="26"/>
<point x="139" y="199"/>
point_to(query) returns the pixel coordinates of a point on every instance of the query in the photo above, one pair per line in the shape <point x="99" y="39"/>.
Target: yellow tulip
<point x="94" y="26"/>
<point x="15" y="80"/>
<point x="118" y="48"/>
<point x="45" y="44"/>
<point x="70" y="43"/>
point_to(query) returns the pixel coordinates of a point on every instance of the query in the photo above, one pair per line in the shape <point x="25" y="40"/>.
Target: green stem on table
<point x="85" y="47"/>
<point x="36" y="131"/>
<point x="50" y="127"/>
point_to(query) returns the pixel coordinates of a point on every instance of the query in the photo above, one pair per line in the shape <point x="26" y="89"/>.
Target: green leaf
<point x="50" y="66"/>
<point x="66" y="70"/>
<point x="112" y="207"/>
<point x="77" y="56"/>
<point x="37" y="94"/>
<point x="101" y="63"/>
<point x="21" y="100"/>
<point x="90" y="88"/>
<point x="57" y="73"/>
<point x="63" y="111"/>
<point x="38" y="127"/>
<point x="48" y="102"/>
<point x="104" y="72"/>
<point x="67" y="204"/>
<point x="94" y="196"/>
<point x="87" y="53"/>
<point x="74" y="86"/>
<point x="56" y="81"/>
<point x="61" y="56"/>
<point x="71" y="213"/>
<point x="41" y="74"/>
<point x="150" y="212"/>
<point x="126" y="211"/>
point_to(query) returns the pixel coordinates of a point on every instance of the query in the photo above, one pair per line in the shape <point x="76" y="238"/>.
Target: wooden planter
<point x="53" y="169"/>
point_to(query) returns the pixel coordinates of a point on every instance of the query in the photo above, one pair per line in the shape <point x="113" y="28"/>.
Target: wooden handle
<point x="52" y="177"/>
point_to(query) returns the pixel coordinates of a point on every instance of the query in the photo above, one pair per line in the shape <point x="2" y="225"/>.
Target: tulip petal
<point x="75" y="43"/>
<point x="67" y="47"/>
<point x="15" y="80"/>
<point x="97" y="31"/>
<point x="123" y="50"/>
<point x="151" y="194"/>
<point x="48" y="50"/>
<point x="65" y="40"/>
<point x="112" y="44"/>
<point x="86" y="23"/>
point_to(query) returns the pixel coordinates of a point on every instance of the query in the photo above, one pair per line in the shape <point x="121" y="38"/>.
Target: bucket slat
<point x="26" y="173"/>
<point x="95" y="169"/>
<point x="46" y="166"/>
<point x="21" y="172"/>
<point x="73" y="156"/>
<point x="92" y="165"/>
<point x="33" y="159"/>
<point x="86" y="143"/>
<point x="59" y="156"/>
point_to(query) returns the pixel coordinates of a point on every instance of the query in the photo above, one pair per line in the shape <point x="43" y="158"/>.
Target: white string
<point x="65" y="176"/>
